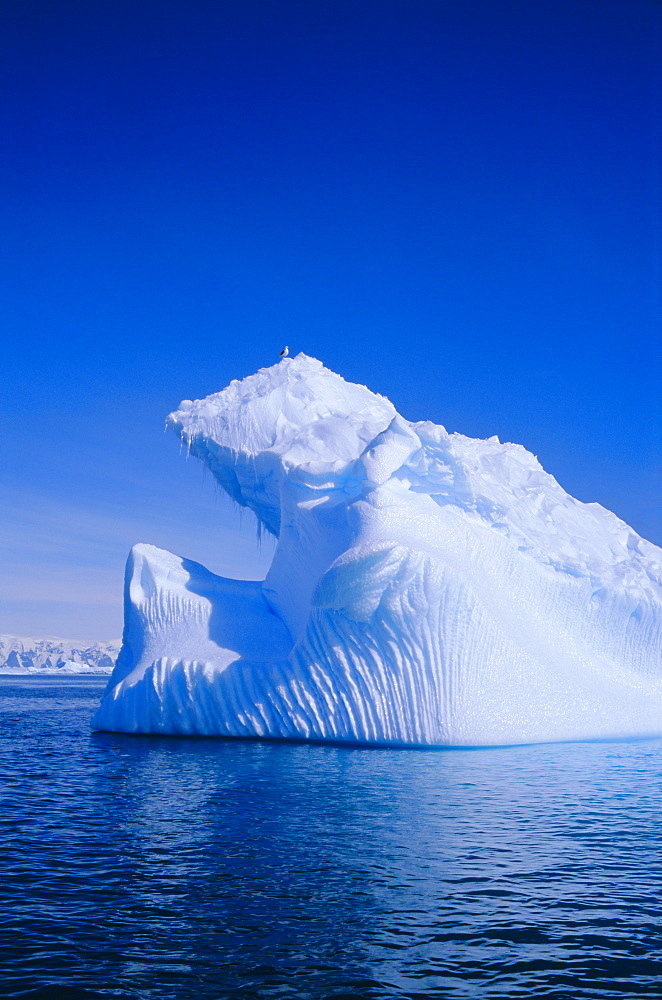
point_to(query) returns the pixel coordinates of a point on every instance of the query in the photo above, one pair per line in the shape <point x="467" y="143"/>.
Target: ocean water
<point x="195" y="868"/>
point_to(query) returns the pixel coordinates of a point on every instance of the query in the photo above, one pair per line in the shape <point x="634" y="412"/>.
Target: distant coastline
<point x="52" y="655"/>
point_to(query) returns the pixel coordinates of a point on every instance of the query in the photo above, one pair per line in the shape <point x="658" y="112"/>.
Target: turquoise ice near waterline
<point x="426" y="588"/>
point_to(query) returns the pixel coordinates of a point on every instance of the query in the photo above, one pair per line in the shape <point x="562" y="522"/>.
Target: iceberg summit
<point x="427" y="589"/>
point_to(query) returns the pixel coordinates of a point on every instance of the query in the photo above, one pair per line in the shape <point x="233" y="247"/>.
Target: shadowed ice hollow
<point x="426" y="588"/>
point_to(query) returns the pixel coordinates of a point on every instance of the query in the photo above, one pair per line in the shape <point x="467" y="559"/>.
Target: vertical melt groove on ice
<point x="427" y="588"/>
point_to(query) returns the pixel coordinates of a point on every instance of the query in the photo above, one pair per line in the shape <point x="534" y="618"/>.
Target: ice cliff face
<point x="426" y="588"/>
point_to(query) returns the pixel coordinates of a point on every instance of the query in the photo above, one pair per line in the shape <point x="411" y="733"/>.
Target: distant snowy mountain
<point x="23" y="654"/>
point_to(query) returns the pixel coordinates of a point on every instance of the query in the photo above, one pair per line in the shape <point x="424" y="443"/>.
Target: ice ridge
<point x="426" y="589"/>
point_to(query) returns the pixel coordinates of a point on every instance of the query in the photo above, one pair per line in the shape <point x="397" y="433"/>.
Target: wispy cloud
<point x="56" y="553"/>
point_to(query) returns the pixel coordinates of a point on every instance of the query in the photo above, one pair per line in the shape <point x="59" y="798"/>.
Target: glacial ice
<point x="426" y="588"/>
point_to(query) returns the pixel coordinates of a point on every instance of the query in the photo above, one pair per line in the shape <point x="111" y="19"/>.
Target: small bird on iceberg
<point x="284" y="352"/>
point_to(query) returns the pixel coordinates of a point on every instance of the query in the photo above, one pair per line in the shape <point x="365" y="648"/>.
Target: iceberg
<point x="427" y="588"/>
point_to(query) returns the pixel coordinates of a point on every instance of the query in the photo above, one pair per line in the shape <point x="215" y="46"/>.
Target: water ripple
<point x="156" y="868"/>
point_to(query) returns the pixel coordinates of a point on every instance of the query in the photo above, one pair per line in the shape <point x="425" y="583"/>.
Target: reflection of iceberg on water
<point x="426" y="588"/>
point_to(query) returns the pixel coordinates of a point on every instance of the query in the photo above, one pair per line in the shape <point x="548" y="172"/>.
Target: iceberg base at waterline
<point x="427" y="589"/>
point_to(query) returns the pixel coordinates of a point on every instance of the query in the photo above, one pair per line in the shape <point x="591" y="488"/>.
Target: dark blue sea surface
<point x="196" y="868"/>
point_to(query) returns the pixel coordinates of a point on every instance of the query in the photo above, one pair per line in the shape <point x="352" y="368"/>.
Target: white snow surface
<point x="426" y="589"/>
<point x="25" y="654"/>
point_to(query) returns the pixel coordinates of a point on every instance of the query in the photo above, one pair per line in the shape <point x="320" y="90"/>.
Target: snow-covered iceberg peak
<point x="297" y="421"/>
<point x="427" y="588"/>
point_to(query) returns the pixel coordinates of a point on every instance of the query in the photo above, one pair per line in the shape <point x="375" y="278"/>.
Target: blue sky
<point x="457" y="204"/>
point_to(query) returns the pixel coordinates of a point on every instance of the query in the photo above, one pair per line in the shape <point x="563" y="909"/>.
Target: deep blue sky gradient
<point x="457" y="204"/>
